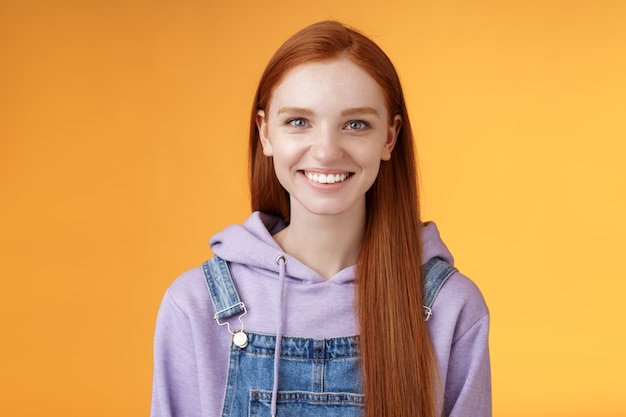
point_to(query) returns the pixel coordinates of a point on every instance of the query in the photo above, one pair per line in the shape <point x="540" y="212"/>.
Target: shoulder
<point x="188" y="292"/>
<point x="462" y="292"/>
<point x="459" y="306"/>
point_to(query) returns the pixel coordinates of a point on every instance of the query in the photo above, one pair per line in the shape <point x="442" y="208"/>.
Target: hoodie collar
<point x="253" y="244"/>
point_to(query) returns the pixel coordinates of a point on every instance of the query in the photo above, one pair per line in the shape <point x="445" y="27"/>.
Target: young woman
<point x="324" y="294"/>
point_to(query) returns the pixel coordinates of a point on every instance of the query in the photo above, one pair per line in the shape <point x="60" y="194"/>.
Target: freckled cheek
<point x="373" y="167"/>
<point x="289" y="153"/>
<point x="284" y="162"/>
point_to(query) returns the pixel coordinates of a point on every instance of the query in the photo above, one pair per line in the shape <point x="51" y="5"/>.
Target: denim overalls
<point x="316" y="377"/>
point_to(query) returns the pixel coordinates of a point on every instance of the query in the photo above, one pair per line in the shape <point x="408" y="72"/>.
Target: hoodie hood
<point x="252" y="244"/>
<point x="432" y="245"/>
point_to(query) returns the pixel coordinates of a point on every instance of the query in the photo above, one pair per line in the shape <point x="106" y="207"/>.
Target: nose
<point x="326" y="146"/>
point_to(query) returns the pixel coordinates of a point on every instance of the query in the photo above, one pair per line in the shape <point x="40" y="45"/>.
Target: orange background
<point x="123" y="145"/>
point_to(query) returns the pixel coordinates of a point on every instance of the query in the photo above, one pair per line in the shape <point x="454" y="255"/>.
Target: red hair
<point x="399" y="369"/>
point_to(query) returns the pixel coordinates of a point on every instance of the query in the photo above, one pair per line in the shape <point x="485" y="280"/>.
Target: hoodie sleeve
<point x="175" y="387"/>
<point x="468" y="382"/>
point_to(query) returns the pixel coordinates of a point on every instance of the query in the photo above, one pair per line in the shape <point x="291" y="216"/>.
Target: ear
<point x="261" y="125"/>
<point x="392" y="137"/>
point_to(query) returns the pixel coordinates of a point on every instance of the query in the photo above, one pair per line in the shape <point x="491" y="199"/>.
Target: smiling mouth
<point x="327" y="178"/>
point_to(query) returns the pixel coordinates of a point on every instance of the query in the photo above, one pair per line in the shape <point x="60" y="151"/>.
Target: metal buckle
<point x="239" y="336"/>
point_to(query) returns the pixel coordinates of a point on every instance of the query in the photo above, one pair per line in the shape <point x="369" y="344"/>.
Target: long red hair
<point x="399" y="369"/>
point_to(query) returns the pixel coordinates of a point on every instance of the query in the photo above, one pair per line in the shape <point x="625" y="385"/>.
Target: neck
<point x="325" y="243"/>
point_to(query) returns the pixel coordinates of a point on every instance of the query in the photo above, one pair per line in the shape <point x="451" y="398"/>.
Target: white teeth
<point x="326" y="178"/>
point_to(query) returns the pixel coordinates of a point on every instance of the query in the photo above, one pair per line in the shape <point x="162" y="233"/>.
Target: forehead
<point x="328" y="84"/>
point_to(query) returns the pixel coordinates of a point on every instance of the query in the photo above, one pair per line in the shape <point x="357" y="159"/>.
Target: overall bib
<point x="317" y="377"/>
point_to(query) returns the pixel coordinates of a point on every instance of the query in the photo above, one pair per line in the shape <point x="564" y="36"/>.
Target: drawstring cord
<point x="281" y="261"/>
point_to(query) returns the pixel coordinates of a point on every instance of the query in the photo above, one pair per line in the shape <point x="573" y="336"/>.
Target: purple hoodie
<point x="191" y="351"/>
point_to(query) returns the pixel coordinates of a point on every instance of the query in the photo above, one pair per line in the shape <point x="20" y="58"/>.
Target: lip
<point x="325" y="171"/>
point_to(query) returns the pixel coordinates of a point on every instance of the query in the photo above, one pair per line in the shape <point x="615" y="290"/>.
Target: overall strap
<point x="435" y="272"/>
<point x="219" y="282"/>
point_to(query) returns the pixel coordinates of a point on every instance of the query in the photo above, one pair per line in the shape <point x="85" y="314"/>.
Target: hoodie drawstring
<point x="281" y="261"/>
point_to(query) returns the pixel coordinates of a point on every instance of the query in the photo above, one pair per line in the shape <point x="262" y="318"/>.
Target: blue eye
<point x="297" y="122"/>
<point x="357" y="125"/>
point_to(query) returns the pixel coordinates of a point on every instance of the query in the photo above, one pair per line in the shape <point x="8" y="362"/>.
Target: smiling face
<point x="327" y="129"/>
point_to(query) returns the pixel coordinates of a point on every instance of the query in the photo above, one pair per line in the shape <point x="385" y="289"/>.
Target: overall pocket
<point x="307" y="404"/>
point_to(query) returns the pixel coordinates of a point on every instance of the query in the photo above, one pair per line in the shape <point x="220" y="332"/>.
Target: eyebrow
<point x="298" y="110"/>
<point x="360" y="110"/>
<point x="348" y="112"/>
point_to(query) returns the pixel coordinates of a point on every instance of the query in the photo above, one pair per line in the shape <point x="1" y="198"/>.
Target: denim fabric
<point x="436" y="272"/>
<point x="317" y="377"/>
<point x="221" y="287"/>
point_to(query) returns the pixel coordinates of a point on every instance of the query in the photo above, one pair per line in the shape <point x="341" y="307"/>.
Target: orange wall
<point x="122" y="150"/>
